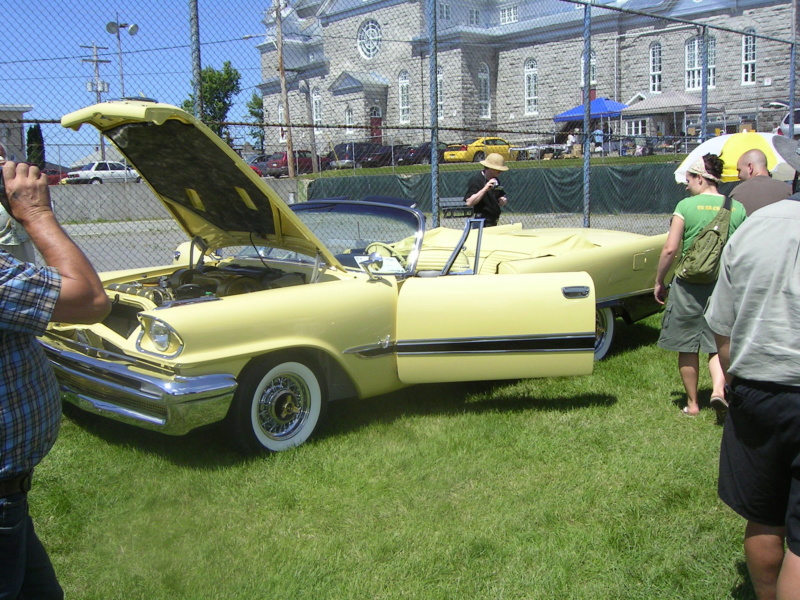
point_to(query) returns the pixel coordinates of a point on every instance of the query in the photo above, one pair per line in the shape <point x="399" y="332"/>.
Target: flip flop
<point x="685" y="411"/>
<point x="719" y="404"/>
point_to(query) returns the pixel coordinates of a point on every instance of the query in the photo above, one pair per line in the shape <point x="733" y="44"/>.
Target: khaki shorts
<point x="683" y="326"/>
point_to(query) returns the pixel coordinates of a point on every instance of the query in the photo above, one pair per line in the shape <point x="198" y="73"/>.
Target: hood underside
<point x="209" y="190"/>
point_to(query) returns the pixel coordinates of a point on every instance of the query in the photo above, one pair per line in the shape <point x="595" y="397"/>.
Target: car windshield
<point x="353" y="230"/>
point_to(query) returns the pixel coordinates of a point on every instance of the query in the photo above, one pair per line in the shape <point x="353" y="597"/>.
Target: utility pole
<point x="284" y="93"/>
<point x="197" y="72"/>
<point x="97" y="86"/>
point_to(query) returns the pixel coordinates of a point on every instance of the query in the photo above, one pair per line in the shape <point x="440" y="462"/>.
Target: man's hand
<point x="27" y="192"/>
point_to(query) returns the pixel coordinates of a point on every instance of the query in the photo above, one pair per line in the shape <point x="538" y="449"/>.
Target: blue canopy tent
<point x="599" y="108"/>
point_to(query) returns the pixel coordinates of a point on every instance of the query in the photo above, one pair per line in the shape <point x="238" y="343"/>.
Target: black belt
<point x="15" y="485"/>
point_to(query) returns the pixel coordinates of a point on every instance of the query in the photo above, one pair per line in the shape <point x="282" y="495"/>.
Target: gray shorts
<point x="683" y="327"/>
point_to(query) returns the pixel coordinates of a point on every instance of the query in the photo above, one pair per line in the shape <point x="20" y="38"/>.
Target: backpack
<point x="700" y="263"/>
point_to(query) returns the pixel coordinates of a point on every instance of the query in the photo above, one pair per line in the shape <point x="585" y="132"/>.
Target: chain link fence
<point x="592" y="105"/>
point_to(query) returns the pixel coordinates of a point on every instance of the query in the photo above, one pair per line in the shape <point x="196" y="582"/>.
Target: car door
<point x="469" y="328"/>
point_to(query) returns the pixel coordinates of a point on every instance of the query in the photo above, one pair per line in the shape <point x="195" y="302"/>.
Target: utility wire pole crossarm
<point x="96" y="85"/>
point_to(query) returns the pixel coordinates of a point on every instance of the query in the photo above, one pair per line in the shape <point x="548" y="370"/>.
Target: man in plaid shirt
<point x="66" y="290"/>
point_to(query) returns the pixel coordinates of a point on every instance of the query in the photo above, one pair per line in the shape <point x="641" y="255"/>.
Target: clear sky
<point x="42" y="61"/>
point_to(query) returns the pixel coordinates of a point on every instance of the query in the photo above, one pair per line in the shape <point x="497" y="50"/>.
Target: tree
<point x="35" y="145"/>
<point x="255" y="108"/>
<point x="217" y="89"/>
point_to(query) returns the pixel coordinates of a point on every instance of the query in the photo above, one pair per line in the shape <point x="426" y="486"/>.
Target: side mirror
<point x="373" y="259"/>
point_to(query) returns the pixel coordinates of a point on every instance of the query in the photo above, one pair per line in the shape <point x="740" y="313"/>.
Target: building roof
<point x="668" y="102"/>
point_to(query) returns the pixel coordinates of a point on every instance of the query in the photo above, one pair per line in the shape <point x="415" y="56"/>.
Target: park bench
<point x="454" y="207"/>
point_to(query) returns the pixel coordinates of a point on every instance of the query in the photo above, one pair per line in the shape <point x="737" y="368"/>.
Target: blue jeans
<point x="25" y="569"/>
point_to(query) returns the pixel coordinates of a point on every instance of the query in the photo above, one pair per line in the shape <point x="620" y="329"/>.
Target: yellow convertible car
<point x="324" y="300"/>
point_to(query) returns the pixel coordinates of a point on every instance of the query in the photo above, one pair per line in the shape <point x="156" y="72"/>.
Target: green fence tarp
<point x="618" y="189"/>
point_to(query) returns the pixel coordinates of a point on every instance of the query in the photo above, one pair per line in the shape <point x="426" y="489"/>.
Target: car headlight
<point x="158" y="338"/>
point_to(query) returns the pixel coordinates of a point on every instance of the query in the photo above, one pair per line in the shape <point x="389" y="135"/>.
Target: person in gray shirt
<point x="754" y="313"/>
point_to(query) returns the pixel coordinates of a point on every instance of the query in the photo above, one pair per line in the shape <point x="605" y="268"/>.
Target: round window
<point x="369" y="38"/>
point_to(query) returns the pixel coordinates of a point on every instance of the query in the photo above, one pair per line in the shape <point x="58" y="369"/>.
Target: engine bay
<point x="208" y="282"/>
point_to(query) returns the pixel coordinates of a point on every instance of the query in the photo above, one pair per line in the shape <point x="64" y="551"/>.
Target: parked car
<point x="104" y="171"/>
<point x="54" y="176"/>
<point x="476" y="149"/>
<point x="383" y="156"/>
<point x="784" y="126"/>
<point x="330" y="298"/>
<point x="350" y="154"/>
<point x="420" y="155"/>
<point x="278" y="163"/>
<point x="256" y="170"/>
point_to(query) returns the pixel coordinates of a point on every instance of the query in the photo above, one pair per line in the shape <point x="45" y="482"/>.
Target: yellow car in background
<point x="476" y="149"/>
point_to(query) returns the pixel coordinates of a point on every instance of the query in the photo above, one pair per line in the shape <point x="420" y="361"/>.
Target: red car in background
<point x="54" y="176"/>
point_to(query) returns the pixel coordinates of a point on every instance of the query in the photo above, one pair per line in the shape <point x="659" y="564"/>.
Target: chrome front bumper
<point x="119" y="389"/>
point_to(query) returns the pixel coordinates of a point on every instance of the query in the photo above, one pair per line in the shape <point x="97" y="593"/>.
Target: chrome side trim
<point x="578" y="342"/>
<point x="126" y="392"/>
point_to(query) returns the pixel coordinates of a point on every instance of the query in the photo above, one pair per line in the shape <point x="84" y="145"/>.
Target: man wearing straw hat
<point x="753" y="313"/>
<point x="484" y="192"/>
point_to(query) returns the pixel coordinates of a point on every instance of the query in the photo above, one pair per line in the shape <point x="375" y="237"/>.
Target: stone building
<point x="359" y="69"/>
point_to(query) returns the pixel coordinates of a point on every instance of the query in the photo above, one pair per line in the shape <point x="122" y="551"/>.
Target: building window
<point x="444" y="12"/>
<point x="531" y="87"/>
<point x="403" y="97"/>
<point x="375" y="112"/>
<point x="369" y="38"/>
<point x="439" y="92"/>
<point x="509" y="14"/>
<point x="282" y="123"/>
<point x="484" y="93"/>
<point x="592" y="69"/>
<point x="316" y="111"/>
<point x="474" y="16"/>
<point x="348" y="121"/>
<point x="655" y="68"/>
<point x="694" y="63"/>
<point x="749" y="57"/>
<point x="637" y="127"/>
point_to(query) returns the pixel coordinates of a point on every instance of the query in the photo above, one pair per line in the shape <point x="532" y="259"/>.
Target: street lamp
<point x="113" y="28"/>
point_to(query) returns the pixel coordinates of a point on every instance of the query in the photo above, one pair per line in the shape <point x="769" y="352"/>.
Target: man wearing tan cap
<point x="484" y="192"/>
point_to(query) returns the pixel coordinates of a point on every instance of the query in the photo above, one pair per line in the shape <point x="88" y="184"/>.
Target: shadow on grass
<point x="202" y="448"/>
<point x="638" y="335"/>
<point x="346" y="416"/>
<point x="206" y="447"/>
<point x="744" y="589"/>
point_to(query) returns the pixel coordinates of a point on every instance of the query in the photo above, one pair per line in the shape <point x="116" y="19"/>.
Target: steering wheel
<point x="376" y="246"/>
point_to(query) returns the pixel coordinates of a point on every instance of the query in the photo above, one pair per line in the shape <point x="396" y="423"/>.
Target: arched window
<point x="316" y="110"/>
<point x="531" y="87"/>
<point x="375" y="111"/>
<point x="749" y="56"/>
<point x="403" y="99"/>
<point x="282" y="122"/>
<point x="484" y="92"/>
<point x="439" y="92"/>
<point x="694" y="63"/>
<point x="592" y="69"/>
<point x="655" y="68"/>
<point x="348" y="121"/>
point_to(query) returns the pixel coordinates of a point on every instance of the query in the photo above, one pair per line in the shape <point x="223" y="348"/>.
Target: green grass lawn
<point x="589" y="488"/>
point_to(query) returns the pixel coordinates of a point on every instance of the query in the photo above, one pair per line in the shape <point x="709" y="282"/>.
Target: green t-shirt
<point x="698" y="211"/>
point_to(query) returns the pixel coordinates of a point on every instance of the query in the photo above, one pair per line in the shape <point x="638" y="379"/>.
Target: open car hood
<point x="207" y="188"/>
